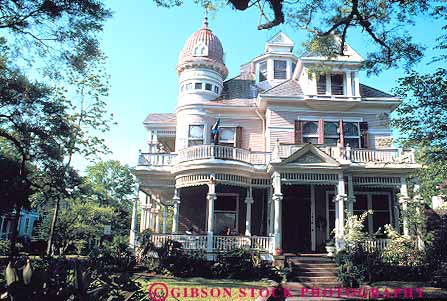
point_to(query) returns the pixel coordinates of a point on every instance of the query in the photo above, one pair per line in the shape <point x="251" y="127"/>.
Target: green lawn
<point x="216" y="289"/>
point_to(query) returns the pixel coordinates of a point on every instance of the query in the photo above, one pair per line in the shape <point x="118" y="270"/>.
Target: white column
<point x="133" y="224"/>
<point x="165" y="219"/>
<point x="348" y="83"/>
<point x="356" y="84"/>
<point x="403" y="200"/>
<point x="328" y="84"/>
<point x="351" y="196"/>
<point x="142" y="198"/>
<point x="271" y="211"/>
<point x="277" y="199"/>
<point x="248" y="201"/>
<point x="157" y="217"/>
<point x="149" y="219"/>
<point x="340" y="212"/>
<point x="313" y="230"/>
<point x="175" y="216"/>
<point x="211" y="197"/>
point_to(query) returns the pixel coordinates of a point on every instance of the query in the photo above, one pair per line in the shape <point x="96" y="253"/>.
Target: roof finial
<point x="205" y="19"/>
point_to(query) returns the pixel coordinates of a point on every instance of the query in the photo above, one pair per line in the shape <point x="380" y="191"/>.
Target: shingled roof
<point x="160" y="118"/>
<point x="367" y="91"/>
<point x="238" y="88"/>
<point x="290" y="88"/>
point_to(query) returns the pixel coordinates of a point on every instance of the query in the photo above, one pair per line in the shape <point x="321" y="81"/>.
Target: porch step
<point x="316" y="279"/>
<point x="318" y="273"/>
<point x="313" y="271"/>
<point x="295" y="287"/>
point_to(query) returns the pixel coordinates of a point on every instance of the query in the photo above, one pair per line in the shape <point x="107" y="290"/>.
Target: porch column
<point x="157" y="217"/>
<point x="348" y="83"/>
<point x="419" y="202"/>
<point x="149" y="220"/>
<point x="175" y="216"/>
<point x="248" y="201"/>
<point x="211" y="197"/>
<point x="403" y="200"/>
<point x="133" y="224"/>
<point x="396" y="214"/>
<point x="351" y="196"/>
<point x="165" y="219"/>
<point x="313" y="235"/>
<point x="277" y="199"/>
<point x="271" y="212"/>
<point x="339" y="213"/>
<point x="142" y="198"/>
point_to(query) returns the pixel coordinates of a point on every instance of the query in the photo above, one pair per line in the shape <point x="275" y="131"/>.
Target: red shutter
<point x="298" y="132"/>
<point x="341" y="132"/>
<point x="321" y="131"/>
<point x="364" y="134"/>
<point x="239" y="137"/>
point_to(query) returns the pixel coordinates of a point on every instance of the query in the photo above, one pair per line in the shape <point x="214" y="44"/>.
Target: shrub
<point x="4" y="247"/>
<point x="401" y="250"/>
<point x="116" y="255"/>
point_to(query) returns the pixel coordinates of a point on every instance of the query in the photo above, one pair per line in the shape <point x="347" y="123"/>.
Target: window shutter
<point x="298" y="132"/>
<point x="239" y="137"/>
<point x="341" y="132"/>
<point x="321" y="131"/>
<point x="364" y="134"/>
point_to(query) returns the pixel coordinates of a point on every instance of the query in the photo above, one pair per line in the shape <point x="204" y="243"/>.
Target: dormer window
<point x="337" y="84"/>
<point x="280" y="69"/>
<point x="201" y="50"/>
<point x="262" y="74"/>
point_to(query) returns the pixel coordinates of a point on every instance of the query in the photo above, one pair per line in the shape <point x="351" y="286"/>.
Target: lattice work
<point x="314" y="178"/>
<point x="376" y="181"/>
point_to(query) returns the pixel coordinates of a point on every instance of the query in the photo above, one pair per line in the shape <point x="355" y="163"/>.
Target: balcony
<point x="202" y="152"/>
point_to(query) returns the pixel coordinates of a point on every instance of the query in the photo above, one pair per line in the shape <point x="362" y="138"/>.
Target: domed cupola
<point x="201" y="66"/>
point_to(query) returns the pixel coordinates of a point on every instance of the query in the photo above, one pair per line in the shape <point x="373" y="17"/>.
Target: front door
<point x="296" y="222"/>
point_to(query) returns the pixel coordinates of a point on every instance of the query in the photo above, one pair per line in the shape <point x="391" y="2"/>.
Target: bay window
<point x="195" y="135"/>
<point x="337" y="84"/>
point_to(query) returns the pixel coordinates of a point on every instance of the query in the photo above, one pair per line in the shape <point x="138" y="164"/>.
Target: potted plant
<point x="330" y="247"/>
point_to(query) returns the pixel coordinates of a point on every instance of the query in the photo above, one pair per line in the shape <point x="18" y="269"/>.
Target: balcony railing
<point x="220" y="243"/>
<point x="201" y="152"/>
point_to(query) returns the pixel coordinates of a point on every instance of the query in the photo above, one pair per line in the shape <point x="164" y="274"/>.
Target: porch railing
<point x="220" y="243"/>
<point x="378" y="244"/>
<point x="155" y="159"/>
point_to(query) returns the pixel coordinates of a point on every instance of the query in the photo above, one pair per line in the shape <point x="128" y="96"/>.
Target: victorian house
<point x="273" y="158"/>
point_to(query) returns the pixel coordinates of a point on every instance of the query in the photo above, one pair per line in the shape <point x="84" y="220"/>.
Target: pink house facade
<point x="296" y="151"/>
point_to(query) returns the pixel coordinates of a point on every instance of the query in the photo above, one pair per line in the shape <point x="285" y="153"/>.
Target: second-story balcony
<point x="219" y="152"/>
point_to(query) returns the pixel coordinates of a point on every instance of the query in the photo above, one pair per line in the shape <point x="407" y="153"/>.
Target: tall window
<point x="227" y="136"/>
<point x="351" y="134"/>
<point x="280" y="69"/>
<point x="321" y="84"/>
<point x="225" y="213"/>
<point x="331" y="134"/>
<point x="380" y="204"/>
<point x="337" y="84"/>
<point x="310" y="132"/>
<point x="195" y="135"/>
<point x="262" y="71"/>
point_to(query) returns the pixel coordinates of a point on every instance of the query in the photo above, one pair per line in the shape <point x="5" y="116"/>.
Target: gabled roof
<point x="367" y="91"/>
<point x="309" y="154"/>
<point x="161" y="118"/>
<point x="280" y="39"/>
<point x="289" y="87"/>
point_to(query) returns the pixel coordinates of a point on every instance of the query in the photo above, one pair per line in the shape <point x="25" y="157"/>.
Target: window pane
<point x="198" y="86"/>
<point x="380" y="202"/>
<point x="331" y="129"/>
<point x="226" y="203"/>
<point x="188" y="86"/>
<point x="280" y="69"/>
<point x="361" y="202"/>
<point x="227" y="134"/>
<point x="310" y="128"/>
<point x="224" y="220"/>
<point x="330" y="141"/>
<point x="312" y="140"/>
<point x="337" y="84"/>
<point x="321" y="84"/>
<point x="196" y="131"/>
<point x="380" y="219"/>
<point x="216" y="89"/>
<point x="208" y="87"/>
<point x="350" y="129"/>
<point x="353" y="142"/>
<point x="262" y="71"/>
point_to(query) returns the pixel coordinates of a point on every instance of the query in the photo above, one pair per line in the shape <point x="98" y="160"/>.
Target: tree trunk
<point x="53" y="225"/>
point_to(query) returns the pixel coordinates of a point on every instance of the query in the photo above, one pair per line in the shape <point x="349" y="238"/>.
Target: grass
<point x="216" y="289"/>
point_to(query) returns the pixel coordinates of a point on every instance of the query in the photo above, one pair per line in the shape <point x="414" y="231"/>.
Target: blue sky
<point x="143" y="42"/>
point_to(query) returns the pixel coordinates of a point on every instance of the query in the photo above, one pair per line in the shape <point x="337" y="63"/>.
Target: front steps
<point x="312" y="271"/>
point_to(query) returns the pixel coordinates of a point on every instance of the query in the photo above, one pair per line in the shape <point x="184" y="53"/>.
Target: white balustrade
<point x="376" y="244"/>
<point x="220" y="243"/>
